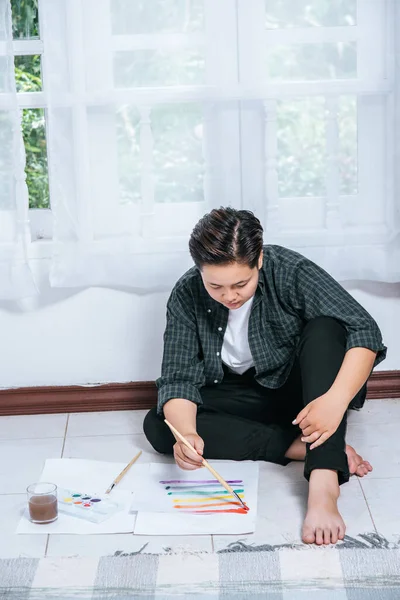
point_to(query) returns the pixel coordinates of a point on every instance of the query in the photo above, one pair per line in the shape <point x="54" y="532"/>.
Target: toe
<point x="335" y="535"/>
<point x="308" y="536"/>
<point x="319" y="536"/>
<point x="361" y="471"/>
<point x="342" y="531"/>
<point x="327" y="535"/>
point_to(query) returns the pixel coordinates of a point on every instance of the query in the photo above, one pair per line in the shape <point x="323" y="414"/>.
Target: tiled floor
<point x="369" y="505"/>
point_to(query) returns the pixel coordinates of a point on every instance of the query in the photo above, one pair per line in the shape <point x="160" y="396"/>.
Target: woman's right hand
<point x="185" y="458"/>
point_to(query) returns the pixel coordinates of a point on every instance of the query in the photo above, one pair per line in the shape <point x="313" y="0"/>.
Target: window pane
<point x="128" y="147"/>
<point x="310" y="13"/>
<point x="25" y="18"/>
<point x="347" y="120"/>
<point x="301" y="147"/>
<point x="154" y="68"/>
<point x="313" y="61"/>
<point x="34" y="133"/>
<point x="7" y="180"/>
<point x="178" y="166"/>
<point x="156" y="16"/>
<point x="178" y="154"/>
<point x="28" y="75"/>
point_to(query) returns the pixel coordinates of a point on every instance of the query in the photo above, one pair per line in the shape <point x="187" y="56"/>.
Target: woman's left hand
<point x="320" y="419"/>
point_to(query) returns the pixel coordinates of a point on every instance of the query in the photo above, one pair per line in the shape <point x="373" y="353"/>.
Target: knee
<point x="157" y="433"/>
<point x="323" y="328"/>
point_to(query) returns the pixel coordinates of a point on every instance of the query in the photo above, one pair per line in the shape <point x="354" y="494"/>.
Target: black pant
<point x="242" y="420"/>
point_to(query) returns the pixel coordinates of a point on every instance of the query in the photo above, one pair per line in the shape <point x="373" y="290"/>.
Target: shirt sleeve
<point x="313" y="292"/>
<point x="182" y="373"/>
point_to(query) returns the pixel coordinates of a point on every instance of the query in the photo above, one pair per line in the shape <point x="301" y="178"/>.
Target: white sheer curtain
<point x="16" y="280"/>
<point x="160" y="110"/>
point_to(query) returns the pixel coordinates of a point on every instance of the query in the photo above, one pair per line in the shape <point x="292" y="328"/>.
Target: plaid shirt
<point x="291" y="291"/>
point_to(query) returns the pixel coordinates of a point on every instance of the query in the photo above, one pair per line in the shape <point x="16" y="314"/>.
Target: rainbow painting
<point x="204" y="496"/>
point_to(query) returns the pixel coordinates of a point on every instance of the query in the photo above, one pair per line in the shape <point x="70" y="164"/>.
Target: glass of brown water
<point x="42" y="502"/>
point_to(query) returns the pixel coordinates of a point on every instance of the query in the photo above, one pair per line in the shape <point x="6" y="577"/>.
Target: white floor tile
<point x="276" y="473"/>
<point x="377" y="444"/>
<point x="281" y="511"/>
<point x="13" y="545"/>
<point x="109" y="545"/>
<point x="383" y="500"/>
<point x="376" y="412"/>
<point x="32" y="426"/>
<point x="112" y="448"/>
<point x="22" y="461"/>
<point x="106" y="423"/>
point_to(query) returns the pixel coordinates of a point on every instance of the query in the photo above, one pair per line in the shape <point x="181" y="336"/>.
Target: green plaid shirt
<point x="291" y="291"/>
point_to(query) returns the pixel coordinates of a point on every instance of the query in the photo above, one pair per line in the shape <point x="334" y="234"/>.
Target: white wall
<point x="101" y="335"/>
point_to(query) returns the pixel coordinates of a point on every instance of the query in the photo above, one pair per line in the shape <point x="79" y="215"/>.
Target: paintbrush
<point x="123" y="472"/>
<point x="207" y="465"/>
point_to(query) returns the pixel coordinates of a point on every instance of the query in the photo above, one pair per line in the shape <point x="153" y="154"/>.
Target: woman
<point x="264" y="352"/>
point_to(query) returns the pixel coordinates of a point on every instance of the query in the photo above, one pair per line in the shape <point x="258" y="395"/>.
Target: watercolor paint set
<point x="90" y="507"/>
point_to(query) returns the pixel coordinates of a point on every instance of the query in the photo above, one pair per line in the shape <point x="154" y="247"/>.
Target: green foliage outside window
<point x="179" y="164"/>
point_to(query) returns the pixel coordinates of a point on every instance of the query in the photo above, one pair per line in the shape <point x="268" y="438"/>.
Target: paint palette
<point x="94" y="508"/>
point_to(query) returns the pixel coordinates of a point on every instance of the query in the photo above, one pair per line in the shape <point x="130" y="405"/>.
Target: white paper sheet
<point x="86" y="476"/>
<point x="167" y="496"/>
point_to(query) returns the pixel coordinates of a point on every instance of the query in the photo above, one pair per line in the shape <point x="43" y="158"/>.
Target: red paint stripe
<point x="194" y="506"/>
<point x="240" y="511"/>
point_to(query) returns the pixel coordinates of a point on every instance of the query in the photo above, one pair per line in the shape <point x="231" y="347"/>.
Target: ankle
<point x="324" y="482"/>
<point x="297" y="451"/>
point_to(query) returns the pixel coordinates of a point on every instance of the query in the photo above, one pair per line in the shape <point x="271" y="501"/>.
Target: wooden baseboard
<point x="129" y="396"/>
<point x="75" y="398"/>
<point x="384" y="384"/>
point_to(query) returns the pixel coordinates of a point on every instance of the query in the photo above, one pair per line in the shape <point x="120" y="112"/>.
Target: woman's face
<point x="231" y="285"/>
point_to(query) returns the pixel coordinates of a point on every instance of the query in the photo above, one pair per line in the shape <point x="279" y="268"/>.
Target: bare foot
<point x="323" y="523"/>
<point x="357" y="466"/>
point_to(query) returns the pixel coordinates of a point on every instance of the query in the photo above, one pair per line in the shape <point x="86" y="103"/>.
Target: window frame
<point x="40" y="219"/>
<point x="375" y="79"/>
<point x="374" y="88"/>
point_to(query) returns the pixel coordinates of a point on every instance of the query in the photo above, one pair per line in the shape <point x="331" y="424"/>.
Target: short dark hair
<point x="226" y="235"/>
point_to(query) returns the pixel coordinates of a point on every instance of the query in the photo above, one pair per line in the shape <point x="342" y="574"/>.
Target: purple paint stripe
<point x="201" y="481"/>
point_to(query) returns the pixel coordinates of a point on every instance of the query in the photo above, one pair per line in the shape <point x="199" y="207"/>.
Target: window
<point x="324" y="121"/>
<point x="280" y="106"/>
<point x="28" y="52"/>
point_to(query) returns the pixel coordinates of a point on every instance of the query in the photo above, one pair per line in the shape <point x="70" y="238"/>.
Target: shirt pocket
<point x="285" y="330"/>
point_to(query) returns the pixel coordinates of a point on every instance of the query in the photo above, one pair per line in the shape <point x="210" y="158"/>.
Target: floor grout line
<point x="31" y="439"/>
<point x="212" y="544"/>
<point x="65" y="436"/>
<point x="368" y="507"/>
<point x="57" y="437"/>
<point x="129" y="433"/>
<point x="47" y="545"/>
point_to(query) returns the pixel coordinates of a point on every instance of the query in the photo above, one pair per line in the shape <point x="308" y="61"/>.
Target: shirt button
<point x="215" y="380"/>
<point x="209" y="310"/>
<point x="217" y="353"/>
<point x="219" y="328"/>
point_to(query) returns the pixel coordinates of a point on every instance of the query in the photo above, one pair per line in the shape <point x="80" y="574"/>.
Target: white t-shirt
<point x="235" y="348"/>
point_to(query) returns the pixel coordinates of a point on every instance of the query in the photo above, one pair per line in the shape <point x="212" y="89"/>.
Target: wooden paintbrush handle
<point x="205" y="463"/>
<point x="181" y="438"/>
<point x="218" y="476"/>
<point x="128" y="466"/>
